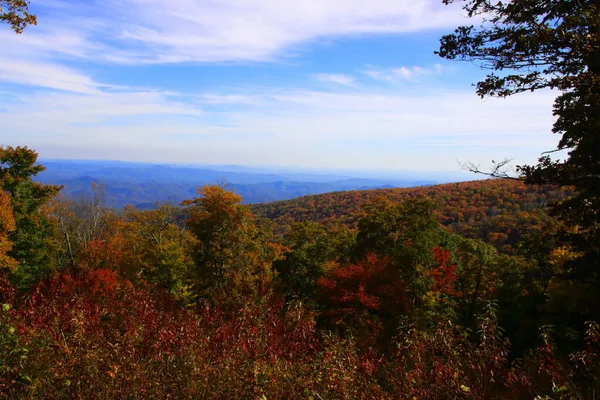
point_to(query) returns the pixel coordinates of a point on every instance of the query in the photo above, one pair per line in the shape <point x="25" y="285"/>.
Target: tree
<point x="32" y="238"/>
<point x="531" y="45"/>
<point x="368" y="297"/>
<point x="406" y="232"/>
<point x="157" y="248"/>
<point x="233" y="256"/>
<point x="543" y="44"/>
<point x="311" y="246"/>
<point x="80" y="221"/>
<point x="7" y="225"/>
<point x="477" y="276"/>
<point x="16" y="13"/>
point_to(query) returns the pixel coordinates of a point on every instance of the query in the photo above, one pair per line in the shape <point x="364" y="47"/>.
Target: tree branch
<point x="499" y="169"/>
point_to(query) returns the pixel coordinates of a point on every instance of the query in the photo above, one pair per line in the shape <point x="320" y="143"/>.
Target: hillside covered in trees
<point x="497" y="211"/>
<point x="204" y="300"/>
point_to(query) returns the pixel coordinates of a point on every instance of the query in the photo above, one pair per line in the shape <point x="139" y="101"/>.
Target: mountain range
<point x="143" y="185"/>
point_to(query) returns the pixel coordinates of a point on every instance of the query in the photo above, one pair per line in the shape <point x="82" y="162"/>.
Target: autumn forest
<point x="449" y="291"/>
<point x="486" y="289"/>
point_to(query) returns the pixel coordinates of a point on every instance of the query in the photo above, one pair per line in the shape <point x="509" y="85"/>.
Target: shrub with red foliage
<point x="94" y="335"/>
<point x="369" y="294"/>
<point x="102" y="254"/>
<point x="444" y="275"/>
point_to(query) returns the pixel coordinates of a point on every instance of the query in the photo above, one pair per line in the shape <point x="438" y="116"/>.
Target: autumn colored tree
<point x="16" y="14"/>
<point x="367" y="298"/>
<point x="311" y="246"/>
<point x="32" y="238"/>
<point x="406" y="232"/>
<point x="7" y="226"/>
<point x="439" y="302"/>
<point x="232" y="254"/>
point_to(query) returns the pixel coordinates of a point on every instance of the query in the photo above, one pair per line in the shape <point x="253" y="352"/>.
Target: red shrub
<point x="444" y="275"/>
<point x="363" y="295"/>
<point x="103" y="254"/>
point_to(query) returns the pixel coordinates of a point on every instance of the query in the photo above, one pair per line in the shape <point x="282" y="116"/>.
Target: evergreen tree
<point x="32" y="239"/>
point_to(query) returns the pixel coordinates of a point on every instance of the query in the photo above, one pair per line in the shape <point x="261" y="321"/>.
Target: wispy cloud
<point x="212" y="98"/>
<point x="402" y="73"/>
<point x="47" y="75"/>
<point x="289" y="126"/>
<point x="158" y="31"/>
<point x="46" y="113"/>
<point x="350" y="118"/>
<point x="340" y="79"/>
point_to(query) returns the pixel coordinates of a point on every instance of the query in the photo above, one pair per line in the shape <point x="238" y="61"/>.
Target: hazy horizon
<point x="441" y="176"/>
<point x="145" y="184"/>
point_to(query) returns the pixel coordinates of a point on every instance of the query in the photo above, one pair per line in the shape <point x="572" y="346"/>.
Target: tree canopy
<point x="530" y="45"/>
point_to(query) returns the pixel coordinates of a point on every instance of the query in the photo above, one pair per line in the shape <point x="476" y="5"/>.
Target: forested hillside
<point x="497" y="211"/>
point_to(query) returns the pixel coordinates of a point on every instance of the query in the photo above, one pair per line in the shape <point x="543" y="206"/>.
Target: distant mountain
<point x="144" y="185"/>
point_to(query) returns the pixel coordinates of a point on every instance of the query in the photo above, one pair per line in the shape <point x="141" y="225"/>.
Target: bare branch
<point x="499" y="169"/>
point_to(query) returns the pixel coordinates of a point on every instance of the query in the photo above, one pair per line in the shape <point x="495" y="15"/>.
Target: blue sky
<point x="319" y="84"/>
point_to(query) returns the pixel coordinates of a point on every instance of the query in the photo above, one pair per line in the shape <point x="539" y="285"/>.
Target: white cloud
<point x="340" y="79"/>
<point x="47" y="75"/>
<point x="457" y="116"/>
<point x="158" y="31"/>
<point x="347" y="125"/>
<point x="212" y="98"/>
<point x="225" y="30"/>
<point x="403" y="73"/>
<point x="45" y="113"/>
<point x="287" y="127"/>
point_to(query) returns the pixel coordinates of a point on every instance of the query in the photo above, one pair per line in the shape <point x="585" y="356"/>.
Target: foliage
<point x="544" y="43"/>
<point x="531" y="45"/>
<point x="97" y="336"/>
<point x="311" y="247"/>
<point x="397" y="305"/>
<point x="367" y="298"/>
<point x="497" y="211"/>
<point x="158" y="249"/>
<point x="94" y="335"/>
<point x="406" y="232"/>
<point x="478" y="276"/>
<point x="392" y="228"/>
<point x="232" y="254"/>
<point x="16" y="13"/>
<point x="7" y="225"/>
<point x="33" y="235"/>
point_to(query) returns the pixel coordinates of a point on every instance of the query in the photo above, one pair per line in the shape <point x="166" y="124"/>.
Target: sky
<point x="318" y="84"/>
